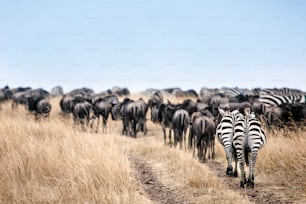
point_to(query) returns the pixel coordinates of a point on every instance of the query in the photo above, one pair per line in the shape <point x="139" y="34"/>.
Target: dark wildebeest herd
<point x="35" y="100"/>
<point x="237" y="117"/>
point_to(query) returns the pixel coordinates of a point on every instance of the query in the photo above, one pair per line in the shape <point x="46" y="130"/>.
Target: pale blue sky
<point x="153" y="44"/>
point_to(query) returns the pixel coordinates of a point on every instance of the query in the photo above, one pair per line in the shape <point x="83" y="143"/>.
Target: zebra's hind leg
<point x="236" y="164"/>
<point x="250" y="182"/>
<point x="229" y="170"/>
<point x="235" y="169"/>
<point x="243" y="178"/>
<point x="242" y="172"/>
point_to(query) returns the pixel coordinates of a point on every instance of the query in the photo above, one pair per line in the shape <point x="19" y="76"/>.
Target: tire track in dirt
<point x="155" y="190"/>
<point x="257" y="195"/>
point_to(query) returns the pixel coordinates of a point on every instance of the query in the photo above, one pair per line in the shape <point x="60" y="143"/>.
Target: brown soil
<point x="260" y="194"/>
<point x="153" y="188"/>
<point x="156" y="191"/>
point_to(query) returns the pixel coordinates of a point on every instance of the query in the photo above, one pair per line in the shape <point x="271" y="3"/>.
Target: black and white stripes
<point x="277" y="97"/>
<point x="225" y="133"/>
<point x="241" y="136"/>
<point x="248" y="138"/>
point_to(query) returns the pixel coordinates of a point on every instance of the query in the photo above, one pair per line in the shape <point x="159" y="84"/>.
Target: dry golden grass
<point x="54" y="161"/>
<point x="282" y="162"/>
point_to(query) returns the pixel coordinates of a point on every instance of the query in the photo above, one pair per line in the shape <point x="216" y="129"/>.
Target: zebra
<point x="271" y="99"/>
<point x="230" y="92"/>
<point x="225" y="132"/>
<point x="248" y="138"/>
<point x="282" y="91"/>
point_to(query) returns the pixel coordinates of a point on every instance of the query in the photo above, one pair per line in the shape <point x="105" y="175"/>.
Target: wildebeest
<point x="165" y="115"/>
<point x="136" y="112"/>
<point x="20" y="98"/>
<point x="119" y="111"/>
<point x="180" y="122"/>
<point x="120" y="91"/>
<point x="204" y="130"/>
<point x="43" y="108"/>
<point x="102" y="107"/>
<point x="57" y="91"/>
<point x="82" y="113"/>
<point x="154" y="113"/>
<point x="189" y="105"/>
<point x="66" y="104"/>
<point x="193" y="116"/>
<point x="154" y="105"/>
<point x="85" y="92"/>
<point x="286" y="115"/>
<point x="38" y="105"/>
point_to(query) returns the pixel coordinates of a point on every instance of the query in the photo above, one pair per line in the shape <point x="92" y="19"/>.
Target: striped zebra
<point x="225" y="132"/>
<point x="282" y="91"/>
<point x="248" y="138"/>
<point x="230" y="92"/>
<point x="270" y="99"/>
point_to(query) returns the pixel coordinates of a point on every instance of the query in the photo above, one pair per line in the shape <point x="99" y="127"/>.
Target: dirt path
<point x="260" y="194"/>
<point x="155" y="190"/>
<point x="159" y="193"/>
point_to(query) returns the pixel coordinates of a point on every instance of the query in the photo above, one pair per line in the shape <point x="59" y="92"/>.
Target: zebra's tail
<point x="246" y="156"/>
<point x="246" y="150"/>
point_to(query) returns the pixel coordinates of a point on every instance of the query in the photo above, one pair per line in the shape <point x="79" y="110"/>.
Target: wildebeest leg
<point x="190" y="137"/>
<point x="104" y="123"/>
<point x="14" y="105"/>
<point x="36" y="116"/>
<point x="165" y="136"/>
<point x="210" y="147"/>
<point x="134" y="128"/>
<point x="213" y="147"/>
<point x="200" y="149"/>
<point x="170" y="142"/>
<point x="98" y="123"/>
<point x="125" y="125"/>
<point x="130" y="127"/>
<point x="145" y="128"/>
<point x="194" y="145"/>
<point x="82" y="123"/>
<point x="175" y="138"/>
<point x="184" y="137"/>
<point x="205" y="146"/>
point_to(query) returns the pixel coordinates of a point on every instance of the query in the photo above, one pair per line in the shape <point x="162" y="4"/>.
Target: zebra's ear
<point x="221" y="111"/>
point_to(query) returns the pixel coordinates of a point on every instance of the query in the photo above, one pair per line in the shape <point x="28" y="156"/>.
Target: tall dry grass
<point x="282" y="161"/>
<point x="52" y="161"/>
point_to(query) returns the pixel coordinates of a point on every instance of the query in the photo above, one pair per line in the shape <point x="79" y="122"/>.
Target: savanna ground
<point x="55" y="161"/>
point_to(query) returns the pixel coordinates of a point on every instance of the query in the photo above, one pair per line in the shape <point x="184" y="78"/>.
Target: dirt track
<point x="154" y="189"/>
<point x="257" y="195"/>
<point x="150" y="184"/>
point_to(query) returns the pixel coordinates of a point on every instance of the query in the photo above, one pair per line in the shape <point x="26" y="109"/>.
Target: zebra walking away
<point x="225" y="132"/>
<point x="248" y="138"/>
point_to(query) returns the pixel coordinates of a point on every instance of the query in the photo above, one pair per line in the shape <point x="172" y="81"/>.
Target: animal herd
<point x="237" y="117"/>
